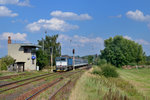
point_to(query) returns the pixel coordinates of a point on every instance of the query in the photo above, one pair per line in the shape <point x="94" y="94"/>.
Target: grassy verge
<point x="97" y="87"/>
<point x="140" y="78"/>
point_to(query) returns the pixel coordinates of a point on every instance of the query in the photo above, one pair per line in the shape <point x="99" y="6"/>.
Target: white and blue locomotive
<point x="66" y="63"/>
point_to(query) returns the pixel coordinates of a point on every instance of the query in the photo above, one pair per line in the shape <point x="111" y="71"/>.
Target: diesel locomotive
<point x="66" y="63"/>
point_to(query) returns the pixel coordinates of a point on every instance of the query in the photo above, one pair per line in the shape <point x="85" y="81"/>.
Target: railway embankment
<point x="128" y="86"/>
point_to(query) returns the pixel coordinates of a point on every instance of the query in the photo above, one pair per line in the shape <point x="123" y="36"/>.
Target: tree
<point x="120" y="51"/>
<point x="90" y="59"/>
<point x="5" y="62"/>
<point x="43" y="59"/>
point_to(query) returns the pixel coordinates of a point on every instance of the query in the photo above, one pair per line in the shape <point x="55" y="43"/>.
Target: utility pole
<point x="70" y="46"/>
<point x="43" y="41"/>
<point x="43" y="45"/>
<point x="51" y="52"/>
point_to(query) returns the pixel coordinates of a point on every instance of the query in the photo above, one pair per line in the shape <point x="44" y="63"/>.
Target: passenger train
<point x="66" y="63"/>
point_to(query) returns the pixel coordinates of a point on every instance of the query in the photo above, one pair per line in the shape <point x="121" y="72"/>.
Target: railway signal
<point x="73" y="51"/>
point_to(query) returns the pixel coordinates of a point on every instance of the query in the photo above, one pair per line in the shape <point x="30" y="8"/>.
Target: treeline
<point x="120" y="51"/>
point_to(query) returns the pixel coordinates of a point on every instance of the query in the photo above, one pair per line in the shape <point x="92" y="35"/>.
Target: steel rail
<point x="10" y="76"/>
<point x="54" y="94"/>
<point x="23" y="80"/>
<point x="44" y="88"/>
<point x="30" y="97"/>
<point x="24" y="83"/>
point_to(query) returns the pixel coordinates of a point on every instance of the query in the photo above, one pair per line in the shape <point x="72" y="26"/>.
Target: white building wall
<point x="17" y="52"/>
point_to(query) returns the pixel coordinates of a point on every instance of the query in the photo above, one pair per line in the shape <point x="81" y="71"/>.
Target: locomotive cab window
<point x="63" y="59"/>
<point x="60" y="59"/>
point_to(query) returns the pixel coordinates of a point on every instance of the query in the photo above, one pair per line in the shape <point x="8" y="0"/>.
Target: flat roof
<point x="31" y="45"/>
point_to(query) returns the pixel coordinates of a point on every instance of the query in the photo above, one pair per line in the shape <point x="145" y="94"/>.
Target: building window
<point x="25" y="50"/>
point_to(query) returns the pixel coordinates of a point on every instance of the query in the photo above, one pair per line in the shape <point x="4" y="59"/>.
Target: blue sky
<point x="81" y="24"/>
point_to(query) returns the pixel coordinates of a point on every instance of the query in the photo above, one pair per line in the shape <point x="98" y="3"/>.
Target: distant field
<point x="132" y="84"/>
<point x="139" y="78"/>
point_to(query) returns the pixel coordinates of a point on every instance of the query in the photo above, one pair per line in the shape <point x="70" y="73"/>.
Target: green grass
<point x="97" y="87"/>
<point x="140" y="78"/>
<point x="28" y="75"/>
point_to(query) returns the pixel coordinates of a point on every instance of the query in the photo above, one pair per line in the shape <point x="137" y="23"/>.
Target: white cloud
<point x="14" y="36"/>
<point x="4" y="11"/>
<point x="148" y="25"/>
<point x="138" y="16"/>
<point x="82" y="44"/>
<point x="19" y="21"/>
<point x="70" y="15"/>
<point x="140" y="41"/>
<point x="53" y="24"/>
<point x="127" y="37"/>
<point x="15" y="2"/>
<point x="80" y="40"/>
<point x="143" y="42"/>
<point x="118" y="16"/>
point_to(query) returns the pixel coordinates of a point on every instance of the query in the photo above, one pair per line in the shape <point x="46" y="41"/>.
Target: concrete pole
<point x="43" y="41"/>
<point x="43" y="45"/>
<point x="51" y="57"/>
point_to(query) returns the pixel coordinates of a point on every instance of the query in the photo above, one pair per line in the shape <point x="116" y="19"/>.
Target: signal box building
<point x="24" y="55"/>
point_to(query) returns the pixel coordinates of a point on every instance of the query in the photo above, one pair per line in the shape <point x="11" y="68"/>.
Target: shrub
<point x="101" y="62"/>
<point x="6" y="61"/>
<point x="109" y="71"/>
<point x="97" y="71"/>
<point x="132" y="64"/>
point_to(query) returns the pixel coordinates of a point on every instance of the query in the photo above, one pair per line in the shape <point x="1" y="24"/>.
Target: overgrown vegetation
<point x="109" y="71"/>
<point x="42" y="59"/>
<point x="90" y="59"/>
<point x="106" y="70"/>
<point x="98" y="87"/>
<point x="6" y="61"/>
<point x="101" y="62"/>
<point x="120" y="51"/>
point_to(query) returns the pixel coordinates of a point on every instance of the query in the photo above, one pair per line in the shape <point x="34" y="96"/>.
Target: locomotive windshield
<point x="60" y="59"/>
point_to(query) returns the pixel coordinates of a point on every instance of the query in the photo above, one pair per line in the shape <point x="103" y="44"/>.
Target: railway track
<point x="10" y="76"/>
<point x="49" y="85"/>
<point x="41" y="87"/>
<point x="55" y="93"/>
<point x="16" y="86"/>
<point x="52" y="97"/>
<point x="3" y="85"/>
